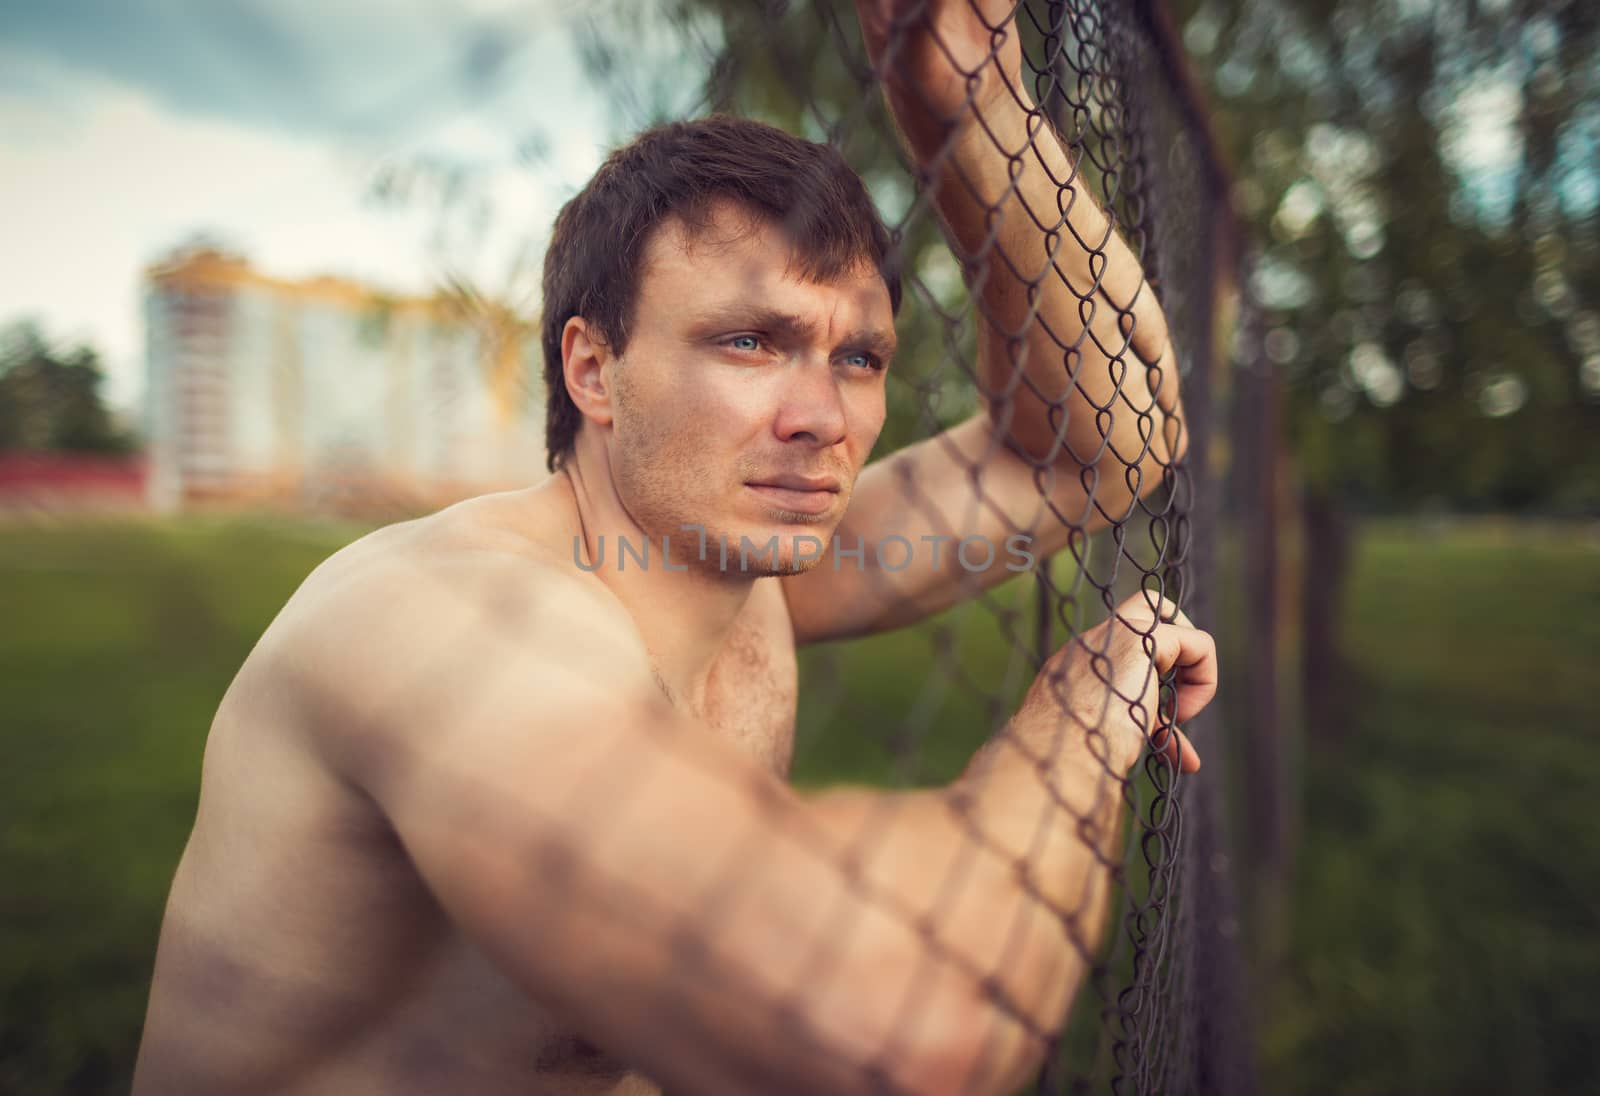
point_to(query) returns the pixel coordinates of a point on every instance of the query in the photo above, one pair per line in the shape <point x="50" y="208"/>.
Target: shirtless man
<point x="488" y="811"/>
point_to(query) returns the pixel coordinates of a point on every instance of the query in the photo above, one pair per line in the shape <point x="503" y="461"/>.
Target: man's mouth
<point x="803" y="494"/>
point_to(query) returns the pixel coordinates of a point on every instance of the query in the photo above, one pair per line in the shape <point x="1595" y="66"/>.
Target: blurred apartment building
<point x="327" y="394"/>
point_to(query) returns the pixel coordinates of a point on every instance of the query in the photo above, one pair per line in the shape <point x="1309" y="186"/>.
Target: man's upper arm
<point x="624" y="865"/>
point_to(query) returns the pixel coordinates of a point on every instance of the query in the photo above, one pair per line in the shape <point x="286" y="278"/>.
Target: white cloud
<point x="119" y="139"/>
<point x="94" y="187"/>
<point x="84" y="208"/>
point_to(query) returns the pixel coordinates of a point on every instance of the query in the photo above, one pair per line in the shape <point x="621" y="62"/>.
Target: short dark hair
<point x="682" y="169"/>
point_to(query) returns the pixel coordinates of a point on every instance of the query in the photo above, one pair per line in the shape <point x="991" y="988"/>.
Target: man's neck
<point x="684" y="608"/>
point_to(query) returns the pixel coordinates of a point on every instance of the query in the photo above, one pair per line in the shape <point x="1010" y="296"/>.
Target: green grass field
<point x="118" y="643"/>
<point x="1443" y="935"/>
<point x="1446" y="913"/>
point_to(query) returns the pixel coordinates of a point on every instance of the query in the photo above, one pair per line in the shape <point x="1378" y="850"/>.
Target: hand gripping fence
<point x="1161" y="1007"/>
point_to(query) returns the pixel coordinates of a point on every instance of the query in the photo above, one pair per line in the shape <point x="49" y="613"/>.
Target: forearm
<point x="1053" y="814"/>
<point x="1007" y="871"/>
<point x="1074" y="359"/>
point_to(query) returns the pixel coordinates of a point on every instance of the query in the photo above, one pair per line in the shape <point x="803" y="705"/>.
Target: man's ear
<point x="584" y="357"/>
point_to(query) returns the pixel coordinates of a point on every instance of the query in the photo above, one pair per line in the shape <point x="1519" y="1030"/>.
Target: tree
<point x="50" y="396"/>
<point x="1421" y="182"/>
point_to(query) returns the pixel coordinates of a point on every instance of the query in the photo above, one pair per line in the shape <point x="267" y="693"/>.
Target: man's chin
<point x="797" y="565"/>
<point x="780" y="570"/>
<point x="764" y="551"/>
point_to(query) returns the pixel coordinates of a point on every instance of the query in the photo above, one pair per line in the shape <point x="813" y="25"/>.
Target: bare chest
<point x="751" y="693"/>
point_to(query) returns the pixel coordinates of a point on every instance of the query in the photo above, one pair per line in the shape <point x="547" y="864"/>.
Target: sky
<point x="128" y="127"/>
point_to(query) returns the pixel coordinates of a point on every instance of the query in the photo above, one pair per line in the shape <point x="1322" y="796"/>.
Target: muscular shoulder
<point x="416" y="626"/>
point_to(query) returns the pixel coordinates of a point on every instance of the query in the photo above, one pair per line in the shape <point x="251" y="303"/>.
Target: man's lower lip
<point x="794" y="498"/>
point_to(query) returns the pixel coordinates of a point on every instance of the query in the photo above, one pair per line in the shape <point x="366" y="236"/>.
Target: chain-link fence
<point x="1163" y="1007"/>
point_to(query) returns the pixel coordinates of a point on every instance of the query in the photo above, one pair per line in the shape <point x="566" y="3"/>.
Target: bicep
<point x="647" y="880"/>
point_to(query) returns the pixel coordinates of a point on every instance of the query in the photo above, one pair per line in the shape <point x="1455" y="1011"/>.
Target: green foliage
<point x="50" y="398"/>
<point x="1421" y="182"/>
<point x="864" y="718"/>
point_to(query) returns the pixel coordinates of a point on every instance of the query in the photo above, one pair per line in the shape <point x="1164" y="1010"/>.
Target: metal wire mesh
<point x="1163" y="1008"/>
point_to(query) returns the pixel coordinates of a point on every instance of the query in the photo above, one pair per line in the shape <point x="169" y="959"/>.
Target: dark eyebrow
<point x="785" y="326"/>
<point x="880" y="344"/>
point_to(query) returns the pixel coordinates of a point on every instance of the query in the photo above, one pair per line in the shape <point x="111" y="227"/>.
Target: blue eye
<point x="745" y="342"/>
<point x="864" y="360"/>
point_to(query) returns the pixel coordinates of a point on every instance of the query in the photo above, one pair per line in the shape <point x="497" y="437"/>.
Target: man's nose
<point x="813" y="406"/>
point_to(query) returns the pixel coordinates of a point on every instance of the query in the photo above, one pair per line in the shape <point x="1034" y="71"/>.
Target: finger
<point x="1161" y="374"/>
<point x="1175" y="746"/>
<point x="1193" y="654"/>
<point x="1189" y="757"/>
<point x="1138" y="610"/>
<point x="1194" y="694"/>
<point x="1154" y="605"/>
<point x="1131" y="301"/>
<point x="1158" y="605"/>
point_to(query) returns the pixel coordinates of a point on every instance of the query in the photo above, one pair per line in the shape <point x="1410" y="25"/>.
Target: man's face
<point x="748" y="399"/>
